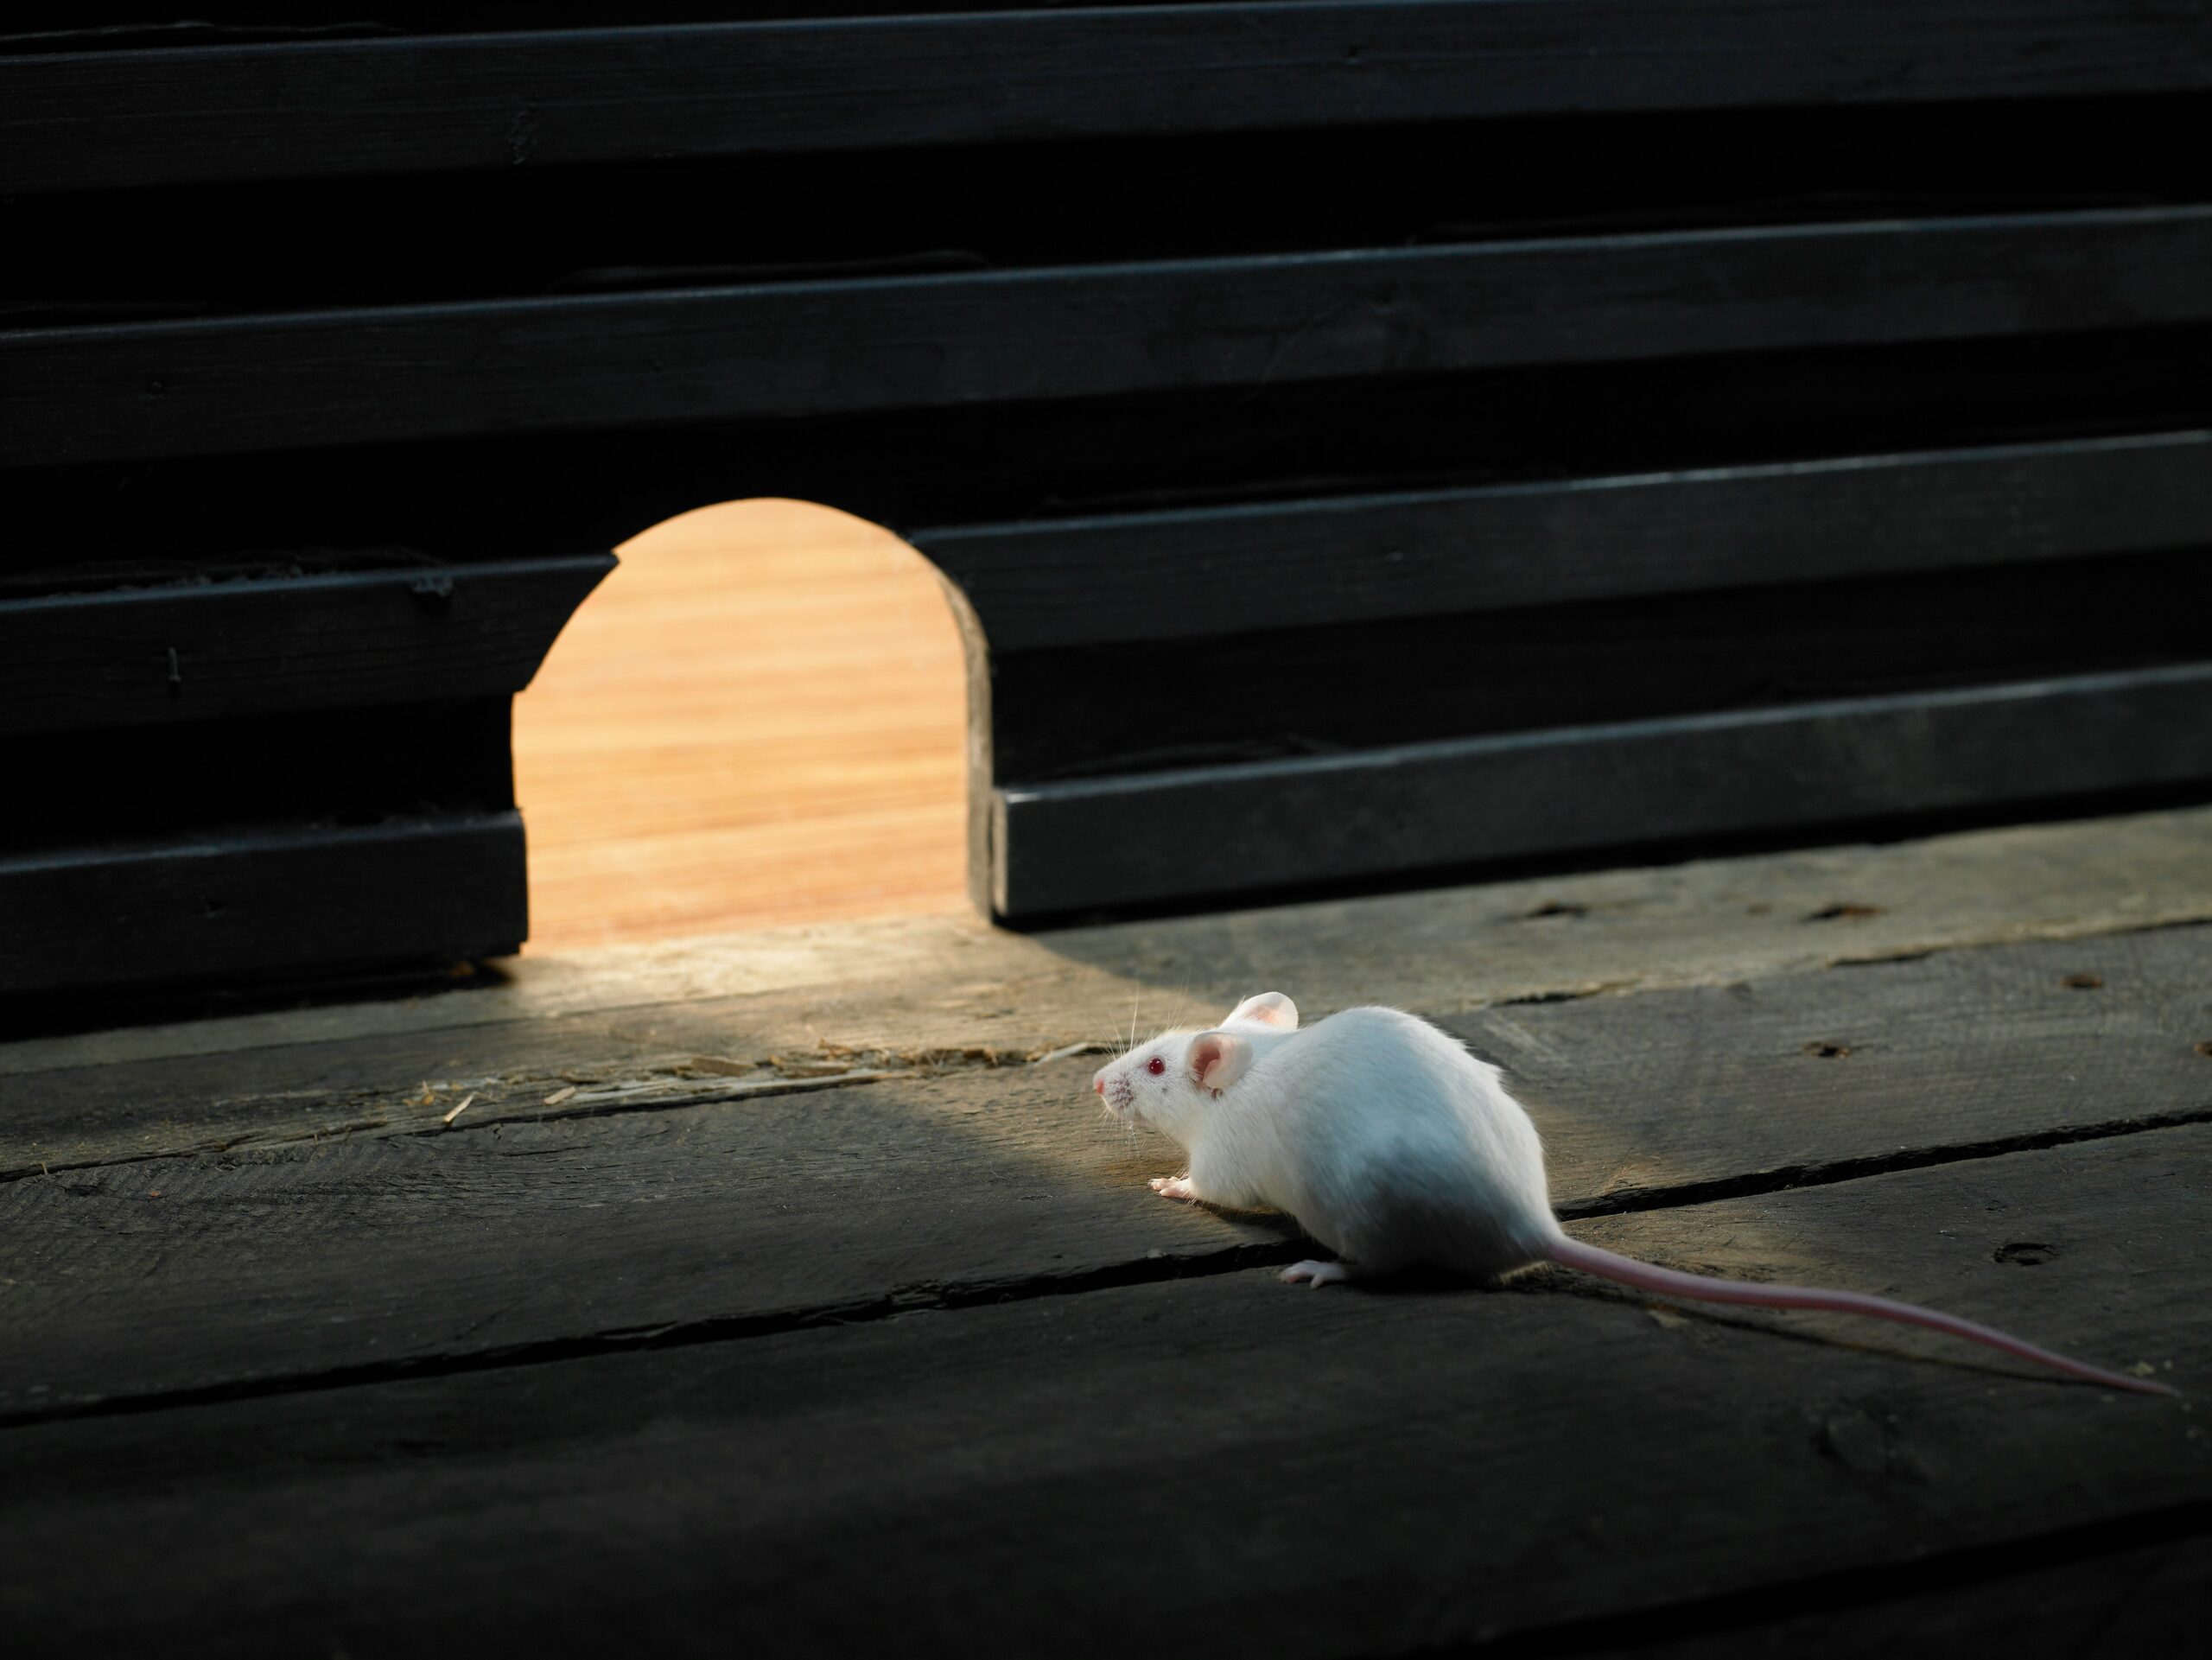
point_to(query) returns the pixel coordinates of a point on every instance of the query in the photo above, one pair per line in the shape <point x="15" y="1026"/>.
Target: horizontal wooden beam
<point x="1203" y="573"/>
<point x="498" y="101"/>
<point x="276" y="382"/>
<point x="416" y="634"/>
<point x="1220" y="830"/>
<point x="255" y="905"/>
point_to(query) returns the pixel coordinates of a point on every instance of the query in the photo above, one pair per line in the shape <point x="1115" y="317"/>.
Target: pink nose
<point x="1099" y="1083"/>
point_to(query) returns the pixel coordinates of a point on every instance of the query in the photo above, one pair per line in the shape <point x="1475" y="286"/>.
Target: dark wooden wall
<point x="1372" y="441"/>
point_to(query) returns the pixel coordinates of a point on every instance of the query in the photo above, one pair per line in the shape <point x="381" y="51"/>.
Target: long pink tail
<point x="1666" y="1282"/>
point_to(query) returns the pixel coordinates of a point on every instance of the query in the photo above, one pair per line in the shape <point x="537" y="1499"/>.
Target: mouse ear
<point x="1269" y="1008"/>
<point x="1218" y="1059"/>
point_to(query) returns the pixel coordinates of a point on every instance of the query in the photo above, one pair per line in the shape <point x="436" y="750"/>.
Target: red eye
<point x="1155" y="1066"/>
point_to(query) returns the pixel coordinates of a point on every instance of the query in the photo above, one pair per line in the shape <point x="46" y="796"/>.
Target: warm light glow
<point x="759" y="719"/>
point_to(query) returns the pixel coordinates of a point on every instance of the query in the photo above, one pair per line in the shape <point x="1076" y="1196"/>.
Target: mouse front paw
<point x="1174" y="1187"/>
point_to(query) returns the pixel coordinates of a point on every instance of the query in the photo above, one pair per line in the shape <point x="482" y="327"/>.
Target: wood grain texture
<point x="549" y="1213"/>
<point x="997" y="463"/>
<point x="1323" y="1474"/>
<point x="793" y="1297"/>
<point x="673" y="223"/>
<point x="199" y="651"/>
<point x="1203" y="573"/>
<point x="761" y="721"/>
<point x="220" y="386"/>
<point x="1950" y="1051"/>
<point x="426" y="891"/>
<point x="2095" y="1592"/>
<point x="1331" y="691"/>
<point x="539" y="100"/>
<point x="1146" y="837"/>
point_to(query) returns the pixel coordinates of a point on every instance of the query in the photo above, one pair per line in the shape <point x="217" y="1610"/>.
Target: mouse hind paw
<point x="1318" y="1274"/>
<point x="1174" y="1187"/>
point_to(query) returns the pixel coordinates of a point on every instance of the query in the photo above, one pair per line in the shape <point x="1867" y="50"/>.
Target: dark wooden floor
<point x="790" y="1295"/>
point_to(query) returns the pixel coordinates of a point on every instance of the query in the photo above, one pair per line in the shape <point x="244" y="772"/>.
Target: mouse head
<point x="1168" y="1081"/>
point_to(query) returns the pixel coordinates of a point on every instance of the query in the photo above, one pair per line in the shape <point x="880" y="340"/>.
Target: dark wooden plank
<point x="504" y="1235"/>
<point x="2092" y="1593"/>
<point x="632" y="227"/>
<point x="1108" y="711"/>
<point x="1320" y="1474"/>
<point x="196" y="652"/>
<point x="259" y="903"/>
<point x="331" y="1183"/>
<point x="498" y="101"/>
<point x="1000" y="463"/>
<point x="1203" y="573"/>
<point x="1151" y="836"/>
<point x="190" y="782"/>
<point x="222" y="386"/>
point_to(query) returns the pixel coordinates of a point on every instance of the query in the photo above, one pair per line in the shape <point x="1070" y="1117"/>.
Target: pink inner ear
<point x="1218" y="1059"/>
<point x="1205" y="1059"/>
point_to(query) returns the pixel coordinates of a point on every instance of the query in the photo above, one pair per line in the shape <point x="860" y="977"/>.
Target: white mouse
<point x="1394" y="1147"/>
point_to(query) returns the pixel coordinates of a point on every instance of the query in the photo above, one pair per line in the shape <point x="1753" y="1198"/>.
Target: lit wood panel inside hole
<point x="758" y="719"/>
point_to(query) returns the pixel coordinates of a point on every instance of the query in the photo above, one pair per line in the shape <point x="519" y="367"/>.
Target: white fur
<point x="1385" y="1139"/>
<point x="1390" y="1143"/>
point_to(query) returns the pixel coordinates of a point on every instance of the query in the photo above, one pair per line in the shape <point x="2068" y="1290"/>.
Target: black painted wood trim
<point x="1206" y="832"/>
<point x="251" y="905"/>
<point x="203" y="387"/>
<point x="497" y="101"/>
<point x="204" y="651"/>
<point x="1209" y="572"/>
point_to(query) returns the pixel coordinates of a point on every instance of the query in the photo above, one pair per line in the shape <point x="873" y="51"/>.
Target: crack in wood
<point x="1627" y="1201"/>
<point x="1883" y="958"/>
<point x="903" y="1300"/>
<point x="522" y="1106"/>
<point x="1714" y="1619"/>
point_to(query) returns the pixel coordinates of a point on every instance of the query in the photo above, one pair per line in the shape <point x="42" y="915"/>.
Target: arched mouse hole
<point x="759" y="719"/>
